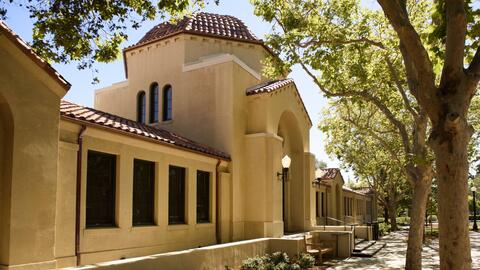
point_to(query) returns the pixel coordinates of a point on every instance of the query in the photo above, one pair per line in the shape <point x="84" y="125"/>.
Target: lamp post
<point x="475" y="227"/>
<point x="286" y="161"/>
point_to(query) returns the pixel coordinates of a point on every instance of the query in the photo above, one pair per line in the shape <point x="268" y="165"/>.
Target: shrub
<point x="306" y="261"/>
<point x="383" y="228"/>
<point x="278" y="261"/>
<point x="405" y="220"/>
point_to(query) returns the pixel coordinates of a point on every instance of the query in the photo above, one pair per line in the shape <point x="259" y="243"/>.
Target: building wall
<point x="197" y="47"/>
<point x="125" y="240"/>
<point x="29" y="100"/>
<point x="359" y="203"/>
<point x="276" y="126"/>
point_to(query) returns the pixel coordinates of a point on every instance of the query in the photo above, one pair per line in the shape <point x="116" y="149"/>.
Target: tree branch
<point x="474" y="67"/>
<point x="341" y="42"/>
<point x="372" y="134"/>
<point x="367" y="97"/>
<point x="413" y="52"/>
<point x="396" y="80"/>
<point x="455" y="40"/>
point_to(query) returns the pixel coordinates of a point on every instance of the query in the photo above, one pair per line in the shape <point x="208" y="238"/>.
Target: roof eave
<point x="87" y="123"/>
<point x="298" y="93"/>
<point x="22" y="45"/>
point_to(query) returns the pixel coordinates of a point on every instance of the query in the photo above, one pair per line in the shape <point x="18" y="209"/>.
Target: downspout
<point x="78" y="192"/>
<point x="217" y="205"/>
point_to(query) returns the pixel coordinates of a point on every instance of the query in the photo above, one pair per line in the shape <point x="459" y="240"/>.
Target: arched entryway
<point x="292" y="193"/>
<point x="6" y="142"/>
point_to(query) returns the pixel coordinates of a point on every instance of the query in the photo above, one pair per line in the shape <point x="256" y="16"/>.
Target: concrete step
<point x="371" y="250"/>
<point x="359" y="240"/>
<point x="363" y="245"/>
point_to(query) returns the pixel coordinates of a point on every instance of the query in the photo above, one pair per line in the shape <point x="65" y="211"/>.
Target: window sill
<point x="177" y="227"/>
<point x="144" y="227"/>
<point x="204" y="225"/>
<point x="101" y="230"/>
<point x="166" y="122"/>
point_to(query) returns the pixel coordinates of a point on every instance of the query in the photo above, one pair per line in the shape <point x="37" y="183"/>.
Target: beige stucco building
<point x="186" y="152"/>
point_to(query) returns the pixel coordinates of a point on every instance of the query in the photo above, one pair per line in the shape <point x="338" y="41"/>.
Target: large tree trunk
<point x="449" y="141"/>
<point x="421" y="190"/>
<point x="392" y="214"/>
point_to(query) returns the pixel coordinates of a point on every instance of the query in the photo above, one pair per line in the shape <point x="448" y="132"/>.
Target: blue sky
<point x="82" y="90"/>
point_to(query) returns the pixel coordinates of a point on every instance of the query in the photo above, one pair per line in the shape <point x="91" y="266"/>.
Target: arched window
<point x="141" y="107"/>
<point x="154" y="103"/>
<point x="167" y="103"/>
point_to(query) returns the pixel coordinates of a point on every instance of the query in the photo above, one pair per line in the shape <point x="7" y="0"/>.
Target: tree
<point x="91" y="31"/>
<point x="440" y="58"/>
<point x="320" y="164"/>
<point x="364" y="140"/>
<point x="352" y="53"/>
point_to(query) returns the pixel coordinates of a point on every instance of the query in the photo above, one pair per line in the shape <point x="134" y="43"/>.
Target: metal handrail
<point x="343" y="222"/>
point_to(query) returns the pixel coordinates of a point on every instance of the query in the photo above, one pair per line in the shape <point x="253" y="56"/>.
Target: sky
<point x="82" y="91"/>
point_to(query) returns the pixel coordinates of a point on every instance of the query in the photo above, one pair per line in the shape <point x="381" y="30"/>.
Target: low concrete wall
<point x="212" y="257"/>
<point x="341" y="241"/>
<point x="363" y="231"/>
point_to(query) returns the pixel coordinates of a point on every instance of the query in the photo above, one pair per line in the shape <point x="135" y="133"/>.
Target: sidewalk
<point x="393" y="255"/>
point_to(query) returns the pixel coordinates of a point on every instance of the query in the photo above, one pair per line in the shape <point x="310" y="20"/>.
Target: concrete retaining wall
<point x="212" y="257"/>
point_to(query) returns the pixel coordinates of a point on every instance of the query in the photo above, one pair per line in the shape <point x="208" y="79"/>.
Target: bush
<point x="305" y="261"/>
<point x="383" y="228"/>
<point x="278" y="261"/>
<point x="432" y="218"/>
<point x="405" y="220"/>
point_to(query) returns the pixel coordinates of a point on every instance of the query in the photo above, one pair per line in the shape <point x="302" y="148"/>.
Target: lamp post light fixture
<point x="286" y="161"/>
<point x="475" y="227"/>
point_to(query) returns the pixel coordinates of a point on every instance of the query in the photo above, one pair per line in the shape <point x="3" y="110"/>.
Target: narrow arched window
<point x="167" y="103"/>
<point x="154" y="103"/>
<point x="141" y="107"/>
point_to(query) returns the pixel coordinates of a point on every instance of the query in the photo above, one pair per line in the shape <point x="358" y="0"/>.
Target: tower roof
<point x="205" y="24"/>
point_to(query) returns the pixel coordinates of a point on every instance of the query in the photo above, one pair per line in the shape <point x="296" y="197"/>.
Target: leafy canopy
<point x="91" y="30"/>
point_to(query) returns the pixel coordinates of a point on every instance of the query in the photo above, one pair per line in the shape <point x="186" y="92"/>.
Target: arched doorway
<point x="293" y="187"/>
<point x="6" y="144"/>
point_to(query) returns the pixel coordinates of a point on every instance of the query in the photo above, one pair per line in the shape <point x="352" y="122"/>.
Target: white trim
<point x="219" y="59"/>
<point x="255" y="135"/>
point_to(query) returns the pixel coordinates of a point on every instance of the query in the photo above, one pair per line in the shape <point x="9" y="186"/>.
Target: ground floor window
<point x="317" y="204"/>
<point x="101" y="178"/>
<point x="143" y="206"/>
<point x="176" y="195"/>
<point x="203" y="197"/>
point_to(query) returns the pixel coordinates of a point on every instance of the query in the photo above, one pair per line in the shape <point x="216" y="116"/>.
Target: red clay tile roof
<point x="267" y="87"/>
<point x="28" y="51"/>
<point x="353" y="191"/>
<point x="329" y="173"/>
<point x="365" y="190"/>
<point x="77" y="113"/>
<point x="222" y="26"/>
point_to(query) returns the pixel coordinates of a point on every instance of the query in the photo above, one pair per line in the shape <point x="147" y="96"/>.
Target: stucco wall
<point x="125" y="240"/>
<point x="28" y="220"/>
<point x="198" y="46"/>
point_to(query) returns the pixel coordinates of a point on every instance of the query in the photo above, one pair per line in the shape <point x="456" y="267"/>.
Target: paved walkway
<point x="392" y="256"/>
